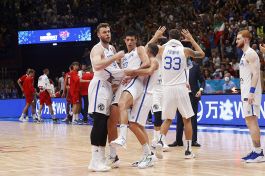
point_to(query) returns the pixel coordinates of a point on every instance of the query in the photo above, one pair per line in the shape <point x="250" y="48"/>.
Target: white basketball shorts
<point x="176" y="98"/>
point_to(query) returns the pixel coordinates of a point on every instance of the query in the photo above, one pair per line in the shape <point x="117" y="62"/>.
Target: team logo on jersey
<point x="101" y="106"/>
<point x="155" y="107"/>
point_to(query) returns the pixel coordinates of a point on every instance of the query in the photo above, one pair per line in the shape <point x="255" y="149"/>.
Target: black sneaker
<point x="55" y="120"/>
<point x="189" y="154"/>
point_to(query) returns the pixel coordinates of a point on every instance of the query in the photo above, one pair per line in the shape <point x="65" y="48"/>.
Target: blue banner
<point x="14" y="107"/>
<point x="54" y="35"/>
<point x="224" y="110"/>
<point x="213" y="109"/>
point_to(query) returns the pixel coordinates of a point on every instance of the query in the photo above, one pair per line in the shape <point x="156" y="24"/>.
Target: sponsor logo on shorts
<point x="101" y="107"/>
<point x="155" y="107"/>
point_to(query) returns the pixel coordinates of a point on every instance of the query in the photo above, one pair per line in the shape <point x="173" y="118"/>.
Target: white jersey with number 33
<point x="174" y="64"/>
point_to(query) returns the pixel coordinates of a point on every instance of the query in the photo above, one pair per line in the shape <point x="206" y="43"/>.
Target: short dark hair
<point x="45" y="70"/>
<point x="131" y="33"/>
<point x="31" y="71"/>
<point x="174" y="34"/>
<point x="102" y="25"/>
<point x="162" y="40"/>
<point x="153" y="48"/>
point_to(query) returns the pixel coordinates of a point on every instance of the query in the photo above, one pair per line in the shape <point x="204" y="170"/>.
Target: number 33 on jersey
<point x="174" y="65"/>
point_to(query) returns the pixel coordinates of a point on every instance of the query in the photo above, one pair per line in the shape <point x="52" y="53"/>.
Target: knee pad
<point x="158" y="119"/>
<point x="99" y="130"/>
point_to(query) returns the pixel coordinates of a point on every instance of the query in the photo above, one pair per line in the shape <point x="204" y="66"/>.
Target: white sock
<point x="157" y="133"/>
<point x="146" y="149"/>
<point x="123" y="131"/>
<point x="73" y="119"/>
<point x="53" y="116"/>
<point x="112" y="151"/>
<point x="23" y="115"/>
<point x="102" y="153"/>
<point x="257" y="150"/>
<point x="95" y="152"/>
<point x="188" y="145"/>
<point x="76" y="117"/>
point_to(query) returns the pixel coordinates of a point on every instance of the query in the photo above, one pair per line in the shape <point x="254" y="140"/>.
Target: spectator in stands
<point x="216" y="59"/>
<point x="235" y="64"/>
<point x="217" y="74"/>
<point x="228" y="86"/>
<point x="61" y="83"/>
<point x="207" y="75"/>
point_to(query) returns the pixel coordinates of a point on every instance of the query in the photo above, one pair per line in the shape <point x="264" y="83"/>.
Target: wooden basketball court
<point x="28" y="149"/>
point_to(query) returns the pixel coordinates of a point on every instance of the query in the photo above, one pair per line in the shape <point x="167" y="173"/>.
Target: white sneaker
<point x="34" y="116"/>
<point x="98" y="167"/>
<point x="165" y="147"/>
<point x="148" y="161"/>
<point x="21" y="119"/>
<point x="189" y="154"/>
<point x="119" y="142"/>
<point x="113" y="162"/>
<point x="159" y="150"/>
<point x="26" y="119"/>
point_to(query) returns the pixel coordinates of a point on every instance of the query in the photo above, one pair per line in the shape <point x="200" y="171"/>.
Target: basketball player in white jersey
<point x="141" y="107"/>
<point x="174" y="82"/>
<point x="157" y="96"/>
<point x="250" y="84"/>
<point x="103" y="59"/>
<point x="134" y="59"/>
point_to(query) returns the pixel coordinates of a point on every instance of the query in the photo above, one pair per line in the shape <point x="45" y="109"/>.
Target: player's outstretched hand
<point x="187" y="35"/>
<point x="160" y="31"/>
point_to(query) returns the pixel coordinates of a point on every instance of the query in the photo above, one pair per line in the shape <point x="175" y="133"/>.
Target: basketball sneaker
<point x="55" y="120"/>
<point x="165" y="147"/>
<point x="21" y="119"/>
<point x="26" y="119"/>
<point x="119" y="142"/>
<point x="248" y="156"/>
<point x="113" y="162"/>
<point x="148" y="161"/>
<point x="98" y="166"/>
<point x="189" y="154"/>
<point x="255" y="157"/>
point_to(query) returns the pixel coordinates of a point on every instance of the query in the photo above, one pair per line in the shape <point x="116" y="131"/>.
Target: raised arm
<point x="98" y="62"/>
<point x="198" y="53"/>
<point x="158" y="34"/>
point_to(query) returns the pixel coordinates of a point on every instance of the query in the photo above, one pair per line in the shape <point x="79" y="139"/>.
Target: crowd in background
<point x="203" y="18"/>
